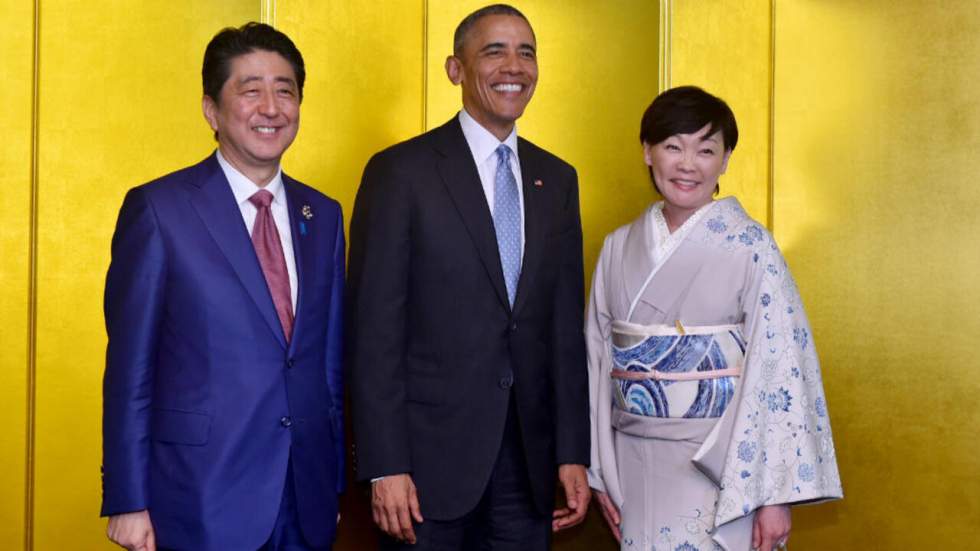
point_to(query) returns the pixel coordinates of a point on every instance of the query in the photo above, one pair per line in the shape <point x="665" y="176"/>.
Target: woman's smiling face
<point x="686" y="167"/>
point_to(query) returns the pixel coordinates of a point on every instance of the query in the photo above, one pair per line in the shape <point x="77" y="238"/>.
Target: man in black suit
<point x="469" y="385"/>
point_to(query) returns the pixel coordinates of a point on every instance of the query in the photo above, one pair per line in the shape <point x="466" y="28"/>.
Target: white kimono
<point x="705" y="388"/>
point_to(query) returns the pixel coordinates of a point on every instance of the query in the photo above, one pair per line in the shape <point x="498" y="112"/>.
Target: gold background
<point x="860" y="124"/>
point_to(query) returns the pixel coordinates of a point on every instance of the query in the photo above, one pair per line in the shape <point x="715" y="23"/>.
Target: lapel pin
<point x="538" y="183"/>
<point x="307" y="212"/>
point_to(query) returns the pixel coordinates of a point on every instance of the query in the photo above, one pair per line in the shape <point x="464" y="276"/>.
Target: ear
<point x="454" y="70"/>
<point x="210" y="109"/>
<point x="648" y="154"/>
<point x="724" y="162"/>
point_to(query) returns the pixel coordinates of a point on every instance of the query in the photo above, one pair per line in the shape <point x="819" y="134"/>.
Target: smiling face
<point x="497" y="69"/>
<point x="685" y="169"/>
<point x="257" y="115"/>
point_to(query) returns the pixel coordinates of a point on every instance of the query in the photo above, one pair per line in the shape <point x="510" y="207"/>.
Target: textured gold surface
<point x="16" y="66"/>
<point x="723" y="47"/>
<point x="363" y="90"/>
<point x="876" y="204"/>
<point x="120" y="104"/>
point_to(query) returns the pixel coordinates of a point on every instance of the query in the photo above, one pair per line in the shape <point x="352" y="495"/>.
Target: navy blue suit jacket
<point x="205" y="403"/>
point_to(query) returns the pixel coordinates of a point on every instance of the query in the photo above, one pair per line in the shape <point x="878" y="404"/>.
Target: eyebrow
<point x="494" y="45"/>
<point x="253" y="78"/>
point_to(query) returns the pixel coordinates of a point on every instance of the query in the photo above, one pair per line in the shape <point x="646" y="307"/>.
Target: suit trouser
<point x="505" y="518"/>
<point x="286" y="533"/>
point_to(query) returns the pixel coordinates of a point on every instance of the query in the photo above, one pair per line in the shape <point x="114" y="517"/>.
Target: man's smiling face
<point x="497" y="69"/>
<point x="257" y="115"/>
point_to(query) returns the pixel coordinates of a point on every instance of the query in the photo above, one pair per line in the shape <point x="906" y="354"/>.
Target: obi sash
<point x="675" y="371"/>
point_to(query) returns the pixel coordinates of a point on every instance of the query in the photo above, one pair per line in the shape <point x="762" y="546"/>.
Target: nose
<point x="268" y="105"/>
<point x="512" y="63"/>
<point x="686" y="162"/>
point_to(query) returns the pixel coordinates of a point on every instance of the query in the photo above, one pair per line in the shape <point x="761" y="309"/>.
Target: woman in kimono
<point x="708" y="411"/>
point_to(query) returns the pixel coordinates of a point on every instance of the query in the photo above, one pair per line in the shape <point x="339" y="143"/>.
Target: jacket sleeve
<point x="597" y="336"/>
<point x="134" y="298"/>
<point x="378" y="285"/>
<point x="569" y="373"/>
<point x="335" y="342"/>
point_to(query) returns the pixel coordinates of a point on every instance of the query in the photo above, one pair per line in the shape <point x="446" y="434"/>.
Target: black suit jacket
<point x="435" y="345"/>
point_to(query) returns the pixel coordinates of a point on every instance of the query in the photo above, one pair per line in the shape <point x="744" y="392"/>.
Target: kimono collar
<point x="649" y="246"/>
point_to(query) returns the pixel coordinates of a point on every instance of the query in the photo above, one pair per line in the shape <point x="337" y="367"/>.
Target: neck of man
<point x="499" y="129"/>
<point x="259" y="175"/>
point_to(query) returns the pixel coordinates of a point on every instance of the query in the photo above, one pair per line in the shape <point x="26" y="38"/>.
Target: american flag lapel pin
<point x="538" y="183"/>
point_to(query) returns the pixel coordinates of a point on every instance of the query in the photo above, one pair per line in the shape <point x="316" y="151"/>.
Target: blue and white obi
<point x="675" y="371"/>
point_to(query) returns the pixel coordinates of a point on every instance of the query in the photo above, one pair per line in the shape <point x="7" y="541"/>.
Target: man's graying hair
<point x="459" y="37"/>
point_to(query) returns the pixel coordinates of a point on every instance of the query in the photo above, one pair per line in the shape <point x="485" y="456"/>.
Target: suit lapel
<point x="303" y="246"/>
<point x="533" y="223"/>
<point x="215" y="204"/>
<point x="460" y="176"/>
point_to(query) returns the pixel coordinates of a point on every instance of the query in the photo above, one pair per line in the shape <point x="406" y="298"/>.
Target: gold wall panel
<point x="876" y="139"/>
<point x="16" y="99"/>
<point x="363" y="90"/>
<point x="120" y="104"/>
<point x="598" y="72"/>
<point x="723" y="47"/>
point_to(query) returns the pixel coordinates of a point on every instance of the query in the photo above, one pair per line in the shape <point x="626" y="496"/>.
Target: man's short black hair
<point x="459" y="37"/>
<point x="230" y="43"/>
<point x="685" y="110"/>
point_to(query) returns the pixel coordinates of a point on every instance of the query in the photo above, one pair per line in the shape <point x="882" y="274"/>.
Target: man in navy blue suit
<point x="469" y="385"/>
<point x="222" y="417"/>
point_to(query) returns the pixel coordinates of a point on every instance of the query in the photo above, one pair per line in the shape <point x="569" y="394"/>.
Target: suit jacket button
<point x="286" y="422"/>
<point x="290" y="363"/>
<point x="513" y="326"/>
<point x="506" y="382"/>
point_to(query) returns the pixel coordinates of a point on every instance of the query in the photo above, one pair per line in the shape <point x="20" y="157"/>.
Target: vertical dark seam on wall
<point x="32" y="291"/>
<point x="771" y="184"/>
<point x="665" y="16"/>
<point x="425" y="65"/>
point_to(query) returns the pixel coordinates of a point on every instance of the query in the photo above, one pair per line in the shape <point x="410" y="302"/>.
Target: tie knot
<point x="503" y="154"/>
<point x="261" y="198"/>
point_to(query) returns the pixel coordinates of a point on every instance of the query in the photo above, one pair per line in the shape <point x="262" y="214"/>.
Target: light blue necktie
<point x="507" y="221"/>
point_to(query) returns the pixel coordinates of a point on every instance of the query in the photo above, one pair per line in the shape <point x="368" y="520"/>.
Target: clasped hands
<point x="395" y="503"/>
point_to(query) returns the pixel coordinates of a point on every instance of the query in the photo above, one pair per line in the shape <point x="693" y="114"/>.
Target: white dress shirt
<point x="243" y="188"/>
<point x="483" y="146"/>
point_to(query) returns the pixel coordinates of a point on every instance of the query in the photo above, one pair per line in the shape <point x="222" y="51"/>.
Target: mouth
<point x="508" y="88"/>
<point x="267" y="130"/>
<point x="684" y="184"/>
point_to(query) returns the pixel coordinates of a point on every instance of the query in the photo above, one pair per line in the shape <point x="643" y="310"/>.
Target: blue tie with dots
<point x="507" y="221"/>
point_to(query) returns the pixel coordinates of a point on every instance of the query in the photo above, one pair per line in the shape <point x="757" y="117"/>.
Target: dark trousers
<point x="505" y="518"/>
<point x="286" y="533"/>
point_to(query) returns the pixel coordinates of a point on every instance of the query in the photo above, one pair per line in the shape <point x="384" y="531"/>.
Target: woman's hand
<point x="609" y="512"/>
<point x="770" y="529"/>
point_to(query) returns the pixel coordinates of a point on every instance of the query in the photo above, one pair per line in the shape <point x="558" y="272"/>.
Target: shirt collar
<point x="243" y="188"/>
<point x="482" y="143"/>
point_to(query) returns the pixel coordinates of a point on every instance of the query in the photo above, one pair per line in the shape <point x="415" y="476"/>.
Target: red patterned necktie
<point x="265" y="238"/>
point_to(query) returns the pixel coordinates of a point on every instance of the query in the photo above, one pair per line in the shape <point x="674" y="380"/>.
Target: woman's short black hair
<point x="230" y="43"/>
<point x="685" y="110"/>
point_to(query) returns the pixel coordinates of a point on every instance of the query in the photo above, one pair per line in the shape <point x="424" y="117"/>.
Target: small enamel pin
<point x="307" y="212"/>
<point x="538" y="183"/>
